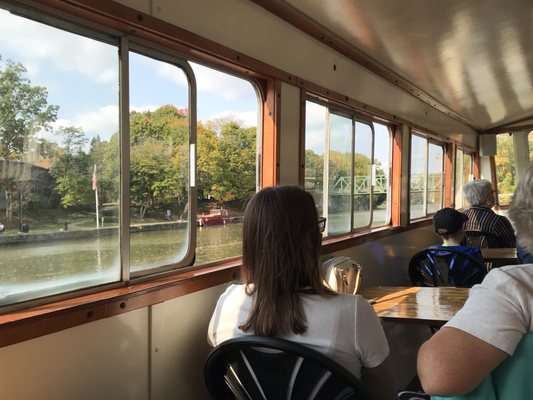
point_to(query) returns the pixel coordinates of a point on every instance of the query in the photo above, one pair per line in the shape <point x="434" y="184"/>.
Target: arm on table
<point x="454" y="362"/>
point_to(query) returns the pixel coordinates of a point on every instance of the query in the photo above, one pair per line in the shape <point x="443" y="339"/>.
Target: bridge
<point x="363" y="183"/>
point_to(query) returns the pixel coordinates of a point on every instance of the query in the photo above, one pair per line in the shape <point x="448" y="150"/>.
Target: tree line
<point x="159" y="154"/>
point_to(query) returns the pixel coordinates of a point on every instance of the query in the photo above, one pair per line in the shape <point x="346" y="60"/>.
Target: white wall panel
<point x="105" y="360"/>
<point x="179" y="345"/>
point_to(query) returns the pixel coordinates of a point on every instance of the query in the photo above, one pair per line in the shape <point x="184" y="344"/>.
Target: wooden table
<point x="502" y="255"/>
<point x="423" y="305"/>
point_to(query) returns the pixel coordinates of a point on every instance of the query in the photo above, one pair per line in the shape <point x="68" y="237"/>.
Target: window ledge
<point x="18" y="326"/>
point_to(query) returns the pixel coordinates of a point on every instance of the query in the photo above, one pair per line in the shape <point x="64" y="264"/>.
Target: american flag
<point x="95" y="181"/>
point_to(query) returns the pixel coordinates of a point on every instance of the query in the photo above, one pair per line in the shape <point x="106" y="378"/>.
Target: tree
<point x="71" y="169"/>
<point x="234" y="162"/>
<point x="24" y="110"/>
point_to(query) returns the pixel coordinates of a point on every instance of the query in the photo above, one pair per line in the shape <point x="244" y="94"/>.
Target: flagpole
<point x="95" y="187"/>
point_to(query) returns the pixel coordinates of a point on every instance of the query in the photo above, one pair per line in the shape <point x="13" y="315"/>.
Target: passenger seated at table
<point x="493" y="322"/>
<point x="283" y="296"/>
<point x="448" y="224"/>
<point x="481" y="217"/>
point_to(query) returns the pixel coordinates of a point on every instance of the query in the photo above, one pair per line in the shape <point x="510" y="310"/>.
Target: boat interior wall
<point x="152" y="353"/>
<point x="327" y="67"/>
<point x="387" y="259"/>
<point x="105" y="359"/>
<point x="476" y="61"/>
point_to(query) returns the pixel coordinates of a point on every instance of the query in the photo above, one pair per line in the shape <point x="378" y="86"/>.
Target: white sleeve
<point x="498" y="310"/>
<point x="370" y="339"/>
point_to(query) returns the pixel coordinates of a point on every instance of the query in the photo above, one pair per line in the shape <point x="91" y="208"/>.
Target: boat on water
<point x="216" y="216"/>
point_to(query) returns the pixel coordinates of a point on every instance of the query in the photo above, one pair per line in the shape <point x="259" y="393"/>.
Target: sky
<point x="81" y="76"/>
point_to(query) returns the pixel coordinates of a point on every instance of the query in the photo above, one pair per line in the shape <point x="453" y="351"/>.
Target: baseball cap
<point x="448" y="221"/>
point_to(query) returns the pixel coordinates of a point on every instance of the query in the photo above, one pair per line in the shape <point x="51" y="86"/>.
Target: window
<point x="463" y="175"/>
<point x="101" y="173"/>
<point x="426" y="177"/>
<point x="505" y="167"/>
<point x="347" y="168"/>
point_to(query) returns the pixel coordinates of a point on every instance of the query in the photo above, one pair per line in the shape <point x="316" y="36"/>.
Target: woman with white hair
<point x="481" y="217"/>
<point x="492" y="323"/>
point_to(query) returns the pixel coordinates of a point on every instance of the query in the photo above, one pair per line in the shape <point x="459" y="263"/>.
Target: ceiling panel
<point x="474" y="57"/>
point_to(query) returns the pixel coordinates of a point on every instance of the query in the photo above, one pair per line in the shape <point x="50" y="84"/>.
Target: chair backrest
<point x="342" y="274"/>
<point x="257" y="367"/>
<point x="510" y="380"/>
<point x="444" y="266"/>
<point x="482" y="239"/>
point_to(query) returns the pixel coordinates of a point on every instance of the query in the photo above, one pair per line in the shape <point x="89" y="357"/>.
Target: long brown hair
<point x="281" y="245"/>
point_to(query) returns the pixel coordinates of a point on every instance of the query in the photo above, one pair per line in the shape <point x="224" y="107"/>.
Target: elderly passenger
<point x="480" y="195"/>
<point x="495" y="318"/>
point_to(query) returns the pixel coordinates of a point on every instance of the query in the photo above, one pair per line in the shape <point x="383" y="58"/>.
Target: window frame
<point x="429" y="141"/>
<point x="355" y="117"/>
<point x="165" y="52"/>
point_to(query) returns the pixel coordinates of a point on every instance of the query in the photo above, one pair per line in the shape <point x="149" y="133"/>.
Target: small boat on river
<point x="216" y="216"/>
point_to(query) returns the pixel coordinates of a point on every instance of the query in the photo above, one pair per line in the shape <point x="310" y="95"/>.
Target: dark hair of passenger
<point x="281" y="245"/>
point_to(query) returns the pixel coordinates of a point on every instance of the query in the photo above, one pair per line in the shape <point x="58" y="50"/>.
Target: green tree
<point x="505" y="167"/>
<point x="234" y="173"/>
<point x="24" y="110"/>
<point x="71" y="168"/>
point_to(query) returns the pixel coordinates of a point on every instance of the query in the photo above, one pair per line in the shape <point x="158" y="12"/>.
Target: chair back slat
<point x="444" y="266"/>
<point x="261" y="368"/>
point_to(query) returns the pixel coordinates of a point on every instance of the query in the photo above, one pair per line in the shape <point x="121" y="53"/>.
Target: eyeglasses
<point x="321" y="224"/>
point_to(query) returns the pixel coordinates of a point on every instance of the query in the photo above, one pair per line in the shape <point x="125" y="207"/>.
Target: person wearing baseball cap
<point x="448" y="224"/>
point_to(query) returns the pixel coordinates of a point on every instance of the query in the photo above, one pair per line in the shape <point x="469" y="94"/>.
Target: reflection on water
<point x="74" y="262"/>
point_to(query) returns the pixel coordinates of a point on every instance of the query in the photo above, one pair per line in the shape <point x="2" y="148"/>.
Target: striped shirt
<point x="485" y="220"/>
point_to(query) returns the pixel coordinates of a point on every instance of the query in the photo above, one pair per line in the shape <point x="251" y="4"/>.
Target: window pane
<point x="417" y="184"/>
<point x="381" y="197"/>
<point x="434" y="185"/>
<point x="362" y="175"/>
<point x="227" y="160"/>
<point x="159" y="163"/>
<point x="58" y="161"/>
<point x="315" y="130"/>
<point x="339" y="172"/>
<point x="505" y="167"/>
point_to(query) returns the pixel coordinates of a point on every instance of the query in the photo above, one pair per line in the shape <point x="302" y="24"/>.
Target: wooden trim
<point x="476" y="171"/>
<point x="494" y="178"/>
<point x="449" y="174"/>
<point x="303" y="113"/>
<point x="396" y="175"/>
<point x="343" y="242"/>
<point x="270" y="152"/>
<point x="34" y="322"/>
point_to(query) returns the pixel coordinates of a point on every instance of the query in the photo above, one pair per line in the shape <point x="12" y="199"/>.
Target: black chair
<point x="443" y="266"/>
<point x="257" y="367"/>
<point x="482" y="239"/>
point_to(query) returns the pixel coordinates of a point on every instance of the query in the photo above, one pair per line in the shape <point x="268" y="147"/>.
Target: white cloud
<point x="67" y="52"/>
<point x="210" y="81"/>
<point x="102" y="122"/>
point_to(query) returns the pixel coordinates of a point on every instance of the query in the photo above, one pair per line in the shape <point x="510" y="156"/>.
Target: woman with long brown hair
<point x="283" y="294"/>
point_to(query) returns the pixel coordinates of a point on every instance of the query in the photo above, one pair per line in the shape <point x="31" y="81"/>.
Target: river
<point x="52" y="266"/>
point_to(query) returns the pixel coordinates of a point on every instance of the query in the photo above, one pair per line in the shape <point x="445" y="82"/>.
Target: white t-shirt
<point x="343" y="327"/>
<point x="499" y="311"/>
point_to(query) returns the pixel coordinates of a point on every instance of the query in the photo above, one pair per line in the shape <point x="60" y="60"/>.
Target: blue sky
<point x="81" y="76"/>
